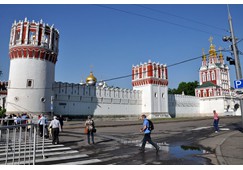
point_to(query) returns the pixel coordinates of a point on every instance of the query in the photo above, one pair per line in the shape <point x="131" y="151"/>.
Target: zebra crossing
<point x="50" y="155"/>
<point x="19" y="148"/>
<point x="110" y="150"/>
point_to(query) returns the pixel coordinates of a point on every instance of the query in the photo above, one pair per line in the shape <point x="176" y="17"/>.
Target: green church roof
<point x="208" y="84"/>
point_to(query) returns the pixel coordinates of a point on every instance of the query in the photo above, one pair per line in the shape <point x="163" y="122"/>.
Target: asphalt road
<point x="179" y="142"/>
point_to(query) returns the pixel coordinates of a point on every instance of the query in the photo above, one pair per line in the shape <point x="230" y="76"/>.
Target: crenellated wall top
<point x="33" y="40"/>
<point x="64" y="88"/>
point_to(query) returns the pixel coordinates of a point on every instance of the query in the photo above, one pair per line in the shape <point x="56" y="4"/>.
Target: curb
<point x="218" y="152"/>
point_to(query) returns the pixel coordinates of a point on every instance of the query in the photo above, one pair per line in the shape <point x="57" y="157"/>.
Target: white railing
<point x="18" y="144"/>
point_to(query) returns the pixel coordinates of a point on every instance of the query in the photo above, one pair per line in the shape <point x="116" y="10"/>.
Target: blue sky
<point x="109" y="39"/>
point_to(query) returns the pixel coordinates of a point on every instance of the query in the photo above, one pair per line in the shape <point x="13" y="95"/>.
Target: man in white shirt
<point x="55" y="129"/>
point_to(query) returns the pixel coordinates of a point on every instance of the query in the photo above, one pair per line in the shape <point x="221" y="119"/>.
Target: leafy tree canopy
<point x="188" y="88"/>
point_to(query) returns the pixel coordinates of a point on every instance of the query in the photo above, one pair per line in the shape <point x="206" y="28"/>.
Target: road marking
<point x="224" y="129"/>
<point x="90" y="161"/>
<point x="208" y="127"/>
<point x="200" y="128"/>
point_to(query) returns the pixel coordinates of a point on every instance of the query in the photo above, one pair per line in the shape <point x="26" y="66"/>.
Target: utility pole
<point x="236" y="57"/>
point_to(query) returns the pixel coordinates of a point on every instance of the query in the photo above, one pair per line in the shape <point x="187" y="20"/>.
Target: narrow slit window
<point x="29" y="83"/>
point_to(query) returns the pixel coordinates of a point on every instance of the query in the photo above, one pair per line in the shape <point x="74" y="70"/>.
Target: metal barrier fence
<point x="18" y="144"/>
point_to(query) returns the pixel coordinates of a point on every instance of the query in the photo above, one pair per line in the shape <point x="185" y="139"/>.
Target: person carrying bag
<point x="90" y="129"/>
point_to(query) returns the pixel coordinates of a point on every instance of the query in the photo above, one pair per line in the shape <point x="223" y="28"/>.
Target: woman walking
<point x="216" y="121"/>
<point x="89" y="125"/>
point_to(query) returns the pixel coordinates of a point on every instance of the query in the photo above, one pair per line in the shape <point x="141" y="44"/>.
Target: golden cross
<point x="203" y="51"/>
<point x="91" y="66"/>
<point x="210" y="39"/>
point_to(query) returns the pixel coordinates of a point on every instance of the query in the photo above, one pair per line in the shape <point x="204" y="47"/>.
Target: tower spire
<point x="212" y="51"/>
<point x="204" y="58"/>
<point x="221" y="57"/>
<point x="210" y="40"/>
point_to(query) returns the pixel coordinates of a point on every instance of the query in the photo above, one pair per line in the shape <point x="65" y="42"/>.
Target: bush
<point x="2" y="112"/>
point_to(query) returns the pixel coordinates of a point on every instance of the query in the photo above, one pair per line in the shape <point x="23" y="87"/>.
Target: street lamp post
<point x="236" y="56"/>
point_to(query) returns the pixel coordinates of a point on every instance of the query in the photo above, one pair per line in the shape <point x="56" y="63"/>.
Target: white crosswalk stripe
<point x="84" y="162"/>
<point x="200" y="128"/>
<point x="208" y="127"/>
<point x="53" y="154"/>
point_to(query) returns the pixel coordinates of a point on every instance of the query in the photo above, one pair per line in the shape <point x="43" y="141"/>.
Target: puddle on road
<point x="181" y="154"/>
<point x="189" y="154"/>
<point x="185" y="151"/>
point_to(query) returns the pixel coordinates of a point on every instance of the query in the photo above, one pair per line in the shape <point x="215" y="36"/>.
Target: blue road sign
<point x="238" y="84"/>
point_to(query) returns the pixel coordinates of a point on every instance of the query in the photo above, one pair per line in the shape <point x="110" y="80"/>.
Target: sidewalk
<point x="228" y="145"/>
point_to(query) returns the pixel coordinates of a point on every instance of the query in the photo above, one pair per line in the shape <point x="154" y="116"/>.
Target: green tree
<point x="172" y="91"/>
<point x="188" y="88"/>
<point x="2" y="111"/>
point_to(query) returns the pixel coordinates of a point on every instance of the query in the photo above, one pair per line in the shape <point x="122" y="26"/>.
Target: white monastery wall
<point x="82" y="100"/>
<point x="183" y="106"/>
<point x="223" y="105"/>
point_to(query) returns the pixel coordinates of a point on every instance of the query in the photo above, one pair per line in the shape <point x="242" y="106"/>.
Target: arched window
<point x="208" y="76"/>
<point x="32" y="37"/>
<point x="213" y="75"/>
<point x="136" y="74"/>
<point x="210" y="92"/>
<point x="155" y="72"/>
<point x="144" y="73"/>
<point x="17" y="37"/>
<point x="203" y="77"/>
<point x="204" y="93"/>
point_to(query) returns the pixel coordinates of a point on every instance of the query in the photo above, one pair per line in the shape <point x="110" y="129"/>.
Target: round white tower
<point x="33" y="51"/>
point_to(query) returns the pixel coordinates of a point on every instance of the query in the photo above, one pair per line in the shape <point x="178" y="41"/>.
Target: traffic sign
<point x="238" y="84"/>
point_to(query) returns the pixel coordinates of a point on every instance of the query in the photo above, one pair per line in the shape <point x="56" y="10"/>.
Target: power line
<point x="156" y="19"/>
<point x="171" y="65"/>
<point x="184" y="18"/>
<point x="130" y="75"/>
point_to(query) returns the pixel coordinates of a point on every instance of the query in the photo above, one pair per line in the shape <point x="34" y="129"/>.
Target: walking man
<point x="147" y="133"/>
<point x="55" y="129"/>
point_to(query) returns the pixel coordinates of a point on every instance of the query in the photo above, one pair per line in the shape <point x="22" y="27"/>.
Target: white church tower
<point x="152" y="80"/>
<point x="33" y="51"/>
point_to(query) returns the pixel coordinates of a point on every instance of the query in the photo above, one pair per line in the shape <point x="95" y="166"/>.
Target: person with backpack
<point x="146" y="129"/>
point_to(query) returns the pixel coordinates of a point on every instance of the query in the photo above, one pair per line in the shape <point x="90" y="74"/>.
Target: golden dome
<point x="91" y="79"/>
<point x="212" y="50"/>
<point x="221" y="55"/>
<point x="204" y="57"/>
